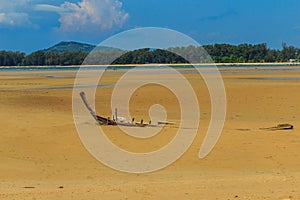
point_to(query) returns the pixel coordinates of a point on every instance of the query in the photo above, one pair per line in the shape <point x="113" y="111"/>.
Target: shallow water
<point x="62" y="68"/>
<point x="278" y="79"/>
<point x="60" y="87"/>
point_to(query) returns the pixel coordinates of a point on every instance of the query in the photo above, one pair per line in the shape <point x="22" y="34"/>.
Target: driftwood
<point x="165" y="123"/>
<point x="273" y="128"/>
<point x="279" y="127"/>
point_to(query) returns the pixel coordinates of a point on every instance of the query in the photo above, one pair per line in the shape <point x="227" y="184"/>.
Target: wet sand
<point x="42" y="156"/>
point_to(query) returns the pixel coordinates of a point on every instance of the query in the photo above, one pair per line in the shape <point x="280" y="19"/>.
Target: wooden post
<point x="116" y="114"/>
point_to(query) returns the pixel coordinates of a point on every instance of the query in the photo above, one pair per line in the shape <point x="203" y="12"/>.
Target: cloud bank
<point x="12" y="14"/>
<point x="83" y="16"/>
<point x="88" y="15"/>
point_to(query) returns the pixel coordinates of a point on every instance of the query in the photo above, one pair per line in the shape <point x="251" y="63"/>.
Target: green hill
<point x="75" y="47"/>
<point x="70" y="47"/>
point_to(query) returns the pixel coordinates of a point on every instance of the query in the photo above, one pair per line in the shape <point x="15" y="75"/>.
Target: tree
<point x="36" y="59"/>
<point x="288" y="52"/>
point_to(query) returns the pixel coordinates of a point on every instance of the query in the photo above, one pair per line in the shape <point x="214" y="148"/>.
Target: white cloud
<point x="14" y="19"/>
<point x="2" y="17"/>
<point x="11" y="13"/>
<point x="46" y="7"/>
<point x="85" y="15"/>
<point x="88" y="15"/>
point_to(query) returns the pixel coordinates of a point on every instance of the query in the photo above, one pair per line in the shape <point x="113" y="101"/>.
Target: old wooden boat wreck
<point x="106" y="120"/>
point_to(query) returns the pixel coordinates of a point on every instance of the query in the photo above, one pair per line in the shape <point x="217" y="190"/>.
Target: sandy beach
<point x="42" y="156"/>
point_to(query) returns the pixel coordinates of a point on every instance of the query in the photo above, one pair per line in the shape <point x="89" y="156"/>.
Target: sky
<point x="30" y="25"/>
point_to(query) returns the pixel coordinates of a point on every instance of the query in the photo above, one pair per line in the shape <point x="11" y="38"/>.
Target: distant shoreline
<point x="179" y="64"/>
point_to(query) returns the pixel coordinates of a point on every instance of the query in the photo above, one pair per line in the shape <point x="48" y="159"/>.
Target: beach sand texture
<point x="42" y="157"/>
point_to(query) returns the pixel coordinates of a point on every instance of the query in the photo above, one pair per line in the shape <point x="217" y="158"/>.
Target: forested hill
<point x="70" y="47"/>
<point x="64" y="47"/>
<point x="74" y="53"/>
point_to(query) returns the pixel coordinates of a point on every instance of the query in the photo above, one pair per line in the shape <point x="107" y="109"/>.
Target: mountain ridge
<point x="72" y="46"/>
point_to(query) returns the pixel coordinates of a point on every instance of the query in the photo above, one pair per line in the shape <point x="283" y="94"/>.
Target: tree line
<point x="41" y="58"/>
<point x="225" y="53"/>
<point x="219" y="53"/>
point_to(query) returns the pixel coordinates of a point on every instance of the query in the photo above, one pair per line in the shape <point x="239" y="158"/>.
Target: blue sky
<point x="29" y="25"/>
